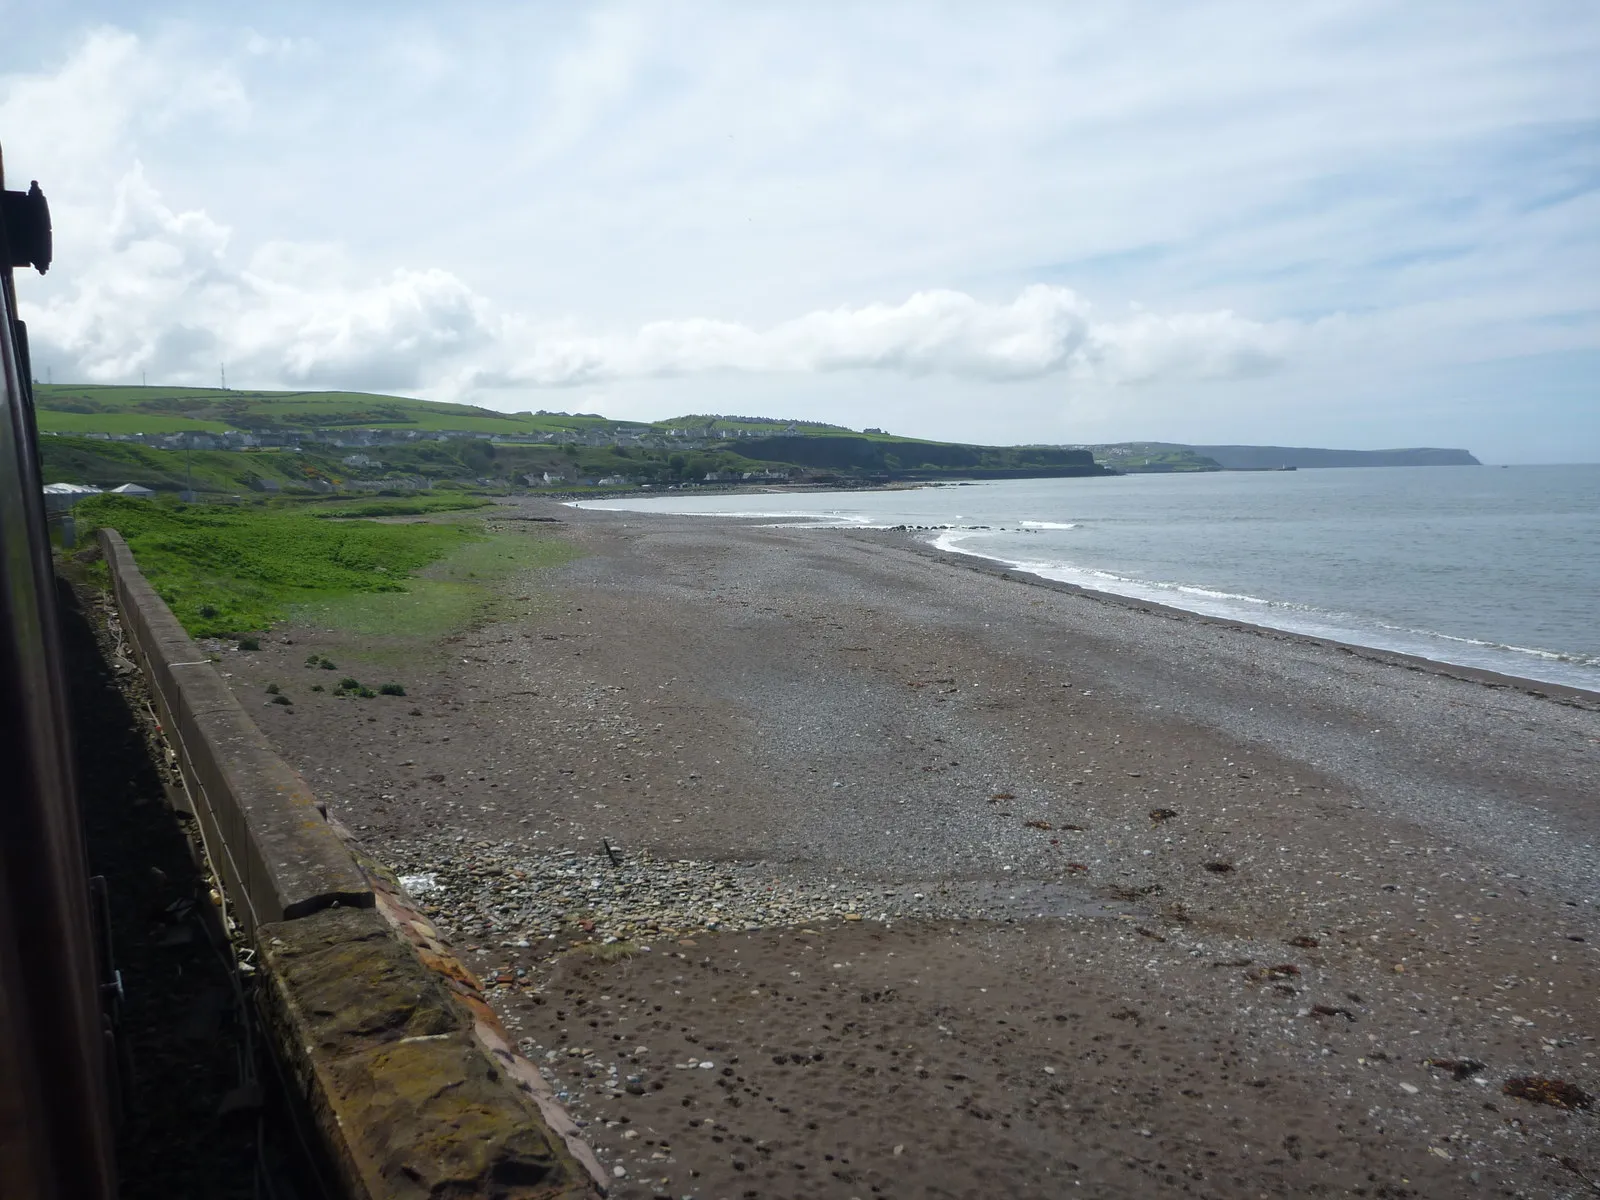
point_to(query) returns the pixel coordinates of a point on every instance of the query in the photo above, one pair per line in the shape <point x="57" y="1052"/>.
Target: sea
<point x="1489" y="567"/>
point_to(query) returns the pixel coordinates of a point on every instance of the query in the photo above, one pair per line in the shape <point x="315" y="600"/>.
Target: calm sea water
<point x="1482" y="566"/>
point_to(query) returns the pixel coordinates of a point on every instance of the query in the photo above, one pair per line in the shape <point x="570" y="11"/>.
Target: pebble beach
<point x="819" y="863"/>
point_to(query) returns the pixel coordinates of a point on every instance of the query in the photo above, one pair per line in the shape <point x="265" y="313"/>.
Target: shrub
<point x="282" y="700"/>
<point x="317" y="687"/>
<point x="392" y="689"/>
<point x="273" y="689"/>
<point x="328" y="664"/>
<point x="313" y="660"/>
<point x="349" y="685"/>
<point x="249" y="643"/>
<point x="365" y="693"/>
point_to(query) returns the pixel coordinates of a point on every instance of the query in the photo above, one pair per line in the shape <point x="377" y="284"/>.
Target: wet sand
<point x="968" y="886"/>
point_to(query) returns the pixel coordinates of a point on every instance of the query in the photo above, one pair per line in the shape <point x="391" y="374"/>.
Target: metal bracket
<point x="26" y="216"/>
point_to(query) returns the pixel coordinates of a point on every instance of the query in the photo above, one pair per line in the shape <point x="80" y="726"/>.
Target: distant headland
<point x="1175" y="456"/>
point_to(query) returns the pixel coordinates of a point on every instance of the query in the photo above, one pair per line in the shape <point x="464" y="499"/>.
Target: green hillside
<point x="750" y="425"/>
<point x="691" y="449"/>
<point x="68" y="459"/>
<point x="110" y="464"/>
<point x="69" y="408"/>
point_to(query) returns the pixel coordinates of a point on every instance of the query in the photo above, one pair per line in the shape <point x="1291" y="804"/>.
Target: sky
<point x="1354" y="224"/>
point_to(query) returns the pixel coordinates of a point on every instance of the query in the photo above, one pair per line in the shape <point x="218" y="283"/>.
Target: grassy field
<point x="110" y="464"/>
<point x="462" y="588"/>
<point x="123" y="422"/>
<point x="227" y="570"/>
<point x="80" y="408"/>
<point x="411" y="506"/>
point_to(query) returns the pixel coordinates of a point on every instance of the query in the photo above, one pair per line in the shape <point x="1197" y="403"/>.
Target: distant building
<point x="133" y="489"/>
<point x="61" y="496"/>
<point x="360" y="460"/>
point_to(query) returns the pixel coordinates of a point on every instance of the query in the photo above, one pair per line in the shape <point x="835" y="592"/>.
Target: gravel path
<point x="1027" y="890"/>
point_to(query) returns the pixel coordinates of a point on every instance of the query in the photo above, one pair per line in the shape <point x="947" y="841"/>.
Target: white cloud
<point x="74" y="126"/>
<point x="1045" y="331"/>
<point x="162" y="297"/>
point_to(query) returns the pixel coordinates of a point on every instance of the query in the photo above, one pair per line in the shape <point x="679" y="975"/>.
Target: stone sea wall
<point x="383" y="1037"/>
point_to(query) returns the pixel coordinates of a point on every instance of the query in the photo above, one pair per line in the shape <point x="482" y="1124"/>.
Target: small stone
<point x="1409" y="1089"/>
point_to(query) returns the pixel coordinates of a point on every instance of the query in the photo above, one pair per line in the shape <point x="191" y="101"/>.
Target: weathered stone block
<point x="386" y="1060"/>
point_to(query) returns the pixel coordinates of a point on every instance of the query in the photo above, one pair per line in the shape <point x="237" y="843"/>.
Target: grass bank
<point x="462" y="588"/>
<point x="238" y="569"/>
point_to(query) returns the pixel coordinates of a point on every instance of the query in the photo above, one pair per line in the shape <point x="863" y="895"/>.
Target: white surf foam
<point x="1524" y="662"/>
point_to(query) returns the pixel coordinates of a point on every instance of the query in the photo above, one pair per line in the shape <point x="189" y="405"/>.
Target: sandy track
<point x="1149" y="905"/>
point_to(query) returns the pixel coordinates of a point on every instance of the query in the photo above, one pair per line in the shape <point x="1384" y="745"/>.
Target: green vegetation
<point x="724" y="447"/>
<point x="460" y="589"/>
<point x="63" y="407"/>
<point x="416" y="506"/>
<point x="134" y="421"/>
<point x="756" y="425"/>
<point x="1153" y="457"/>
<point x="226" y="569"/>
<point x="110" y="464"/>
<point x="232" y="569"/>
